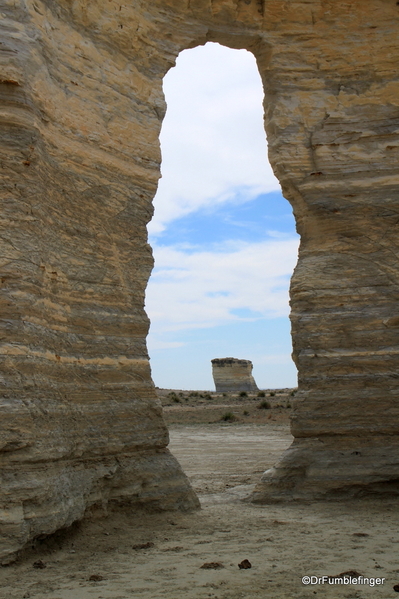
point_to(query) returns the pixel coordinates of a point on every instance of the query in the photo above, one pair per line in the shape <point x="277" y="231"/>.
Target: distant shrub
<point x="243" y="394"/>
<point x="288" y="405"/>
<point x="272" y="393"/>
<point x="246" y="413"/>
<point x="193" y="394"/>
<point x="293" y="392"/>
<point x="261" y="394"/>
<point x="176" y="399"/>
<point x="224" y="394"/>
<point x="228" y="417"/>
<point x="264" y="405"/>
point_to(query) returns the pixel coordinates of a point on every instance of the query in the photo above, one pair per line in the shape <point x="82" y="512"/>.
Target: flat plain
<point x="223" y="443"/>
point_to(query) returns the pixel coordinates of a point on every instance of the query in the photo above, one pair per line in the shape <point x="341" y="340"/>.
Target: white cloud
<point x="205" y="289"/>
<point x="213" y="142"/>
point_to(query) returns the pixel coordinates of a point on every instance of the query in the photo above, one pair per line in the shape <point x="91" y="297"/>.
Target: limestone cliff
<point x="233" y="375"/>
<point x="81" y="110"/>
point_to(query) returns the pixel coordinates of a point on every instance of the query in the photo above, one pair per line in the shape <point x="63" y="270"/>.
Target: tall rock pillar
<point x="332" y="120"/>
<point x="81" y="425"/>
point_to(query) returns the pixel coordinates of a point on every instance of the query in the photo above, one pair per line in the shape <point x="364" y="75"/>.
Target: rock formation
<point x="233" y="375"/>
<point x="81" y="110"/>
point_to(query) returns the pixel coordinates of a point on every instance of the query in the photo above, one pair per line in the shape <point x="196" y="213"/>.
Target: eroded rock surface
<point x="81" y="110"/>
<point x="233" y="375"/>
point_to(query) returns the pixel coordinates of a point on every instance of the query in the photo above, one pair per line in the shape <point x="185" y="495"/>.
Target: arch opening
<point x="223" y="236"/>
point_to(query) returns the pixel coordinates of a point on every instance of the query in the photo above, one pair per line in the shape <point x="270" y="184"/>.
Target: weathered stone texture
<point x="81" y="109"/>
<point x="233" y="375"/>
<point x="81" y="424"/>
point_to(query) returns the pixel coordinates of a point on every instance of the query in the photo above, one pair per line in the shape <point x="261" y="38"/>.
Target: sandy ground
<point x="282" y="542"/>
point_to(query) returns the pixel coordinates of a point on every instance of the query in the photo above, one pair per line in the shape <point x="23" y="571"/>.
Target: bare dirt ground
<point x="154" y="556"/>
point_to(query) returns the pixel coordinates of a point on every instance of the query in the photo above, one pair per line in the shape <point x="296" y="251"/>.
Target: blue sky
<point x="223" y="236"/>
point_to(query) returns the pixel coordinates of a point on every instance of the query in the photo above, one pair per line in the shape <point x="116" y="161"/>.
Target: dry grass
<point x="208" y="407"/>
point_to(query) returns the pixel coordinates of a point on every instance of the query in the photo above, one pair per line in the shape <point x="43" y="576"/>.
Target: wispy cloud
<point x="204" y="289"/>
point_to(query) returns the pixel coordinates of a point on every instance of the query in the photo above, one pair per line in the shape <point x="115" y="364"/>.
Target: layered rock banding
<point x="81" y="110"/>
<point x="233" y="375"/>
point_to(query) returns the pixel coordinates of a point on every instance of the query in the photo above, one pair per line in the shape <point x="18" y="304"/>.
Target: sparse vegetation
<point x="272" y="393"/>
<point x="173" y="397"/>
<point x="243" y="394"/>
<point x="228" y="417"/>
<point x="293" y="392"/>
<point x="202" y="406"/>
<point x="264" y="405"/>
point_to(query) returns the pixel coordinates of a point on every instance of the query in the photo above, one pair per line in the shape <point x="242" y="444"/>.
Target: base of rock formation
<point x="332" y="468"/>
<point x="51" y="496"/>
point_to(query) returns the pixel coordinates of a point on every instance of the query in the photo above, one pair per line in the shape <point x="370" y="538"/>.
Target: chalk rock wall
<point x="81" y="110"/>
<point x="233" y="375"/>
<point x="81" y="424"/>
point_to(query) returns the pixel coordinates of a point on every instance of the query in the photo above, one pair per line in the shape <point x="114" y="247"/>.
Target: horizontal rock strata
<point x="81" y="424"/>
<point x="233" y="375"/>
<point x="81" y="110"/>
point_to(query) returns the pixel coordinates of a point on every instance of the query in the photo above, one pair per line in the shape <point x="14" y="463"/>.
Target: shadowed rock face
<point x="81" y="110"/>
<point x="231" y="374"/>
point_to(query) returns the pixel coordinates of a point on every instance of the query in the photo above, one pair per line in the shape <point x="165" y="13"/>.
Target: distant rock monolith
<point x="233" y="375"/>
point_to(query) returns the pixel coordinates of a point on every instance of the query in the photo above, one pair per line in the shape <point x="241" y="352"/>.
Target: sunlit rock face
<point x="233" y="375"/>
<point x="81" y="110"/>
